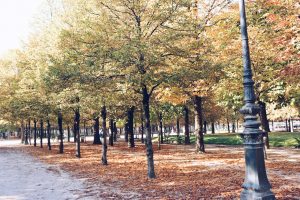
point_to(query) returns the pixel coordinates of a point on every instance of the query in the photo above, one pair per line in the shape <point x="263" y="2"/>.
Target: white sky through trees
<point x="16" y="17"/>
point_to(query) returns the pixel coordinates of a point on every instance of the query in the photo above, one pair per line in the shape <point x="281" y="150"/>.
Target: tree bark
<point x="205" y="127"/>
<point x="49" y="134"/>
<point x="233" y="126"/>
<point x="22" y="132"/>
<point x="186" y="126"/>
<point x="213" y="128"/>
<point x="126" y="131"/>
<point x="96" y="131"/>
<point x="35" y="132"/>
<point x="199" y="122"/>
<point x="228" y="126"/>
<point x="69" y="134"/>
<point x="161" y="128"/>
<point x="61" y="133"/>
<point x="263" y="116"/>
<point x="149" y="148"/>
<point x="160" y="132"/>
<point x="104" y="145"/>
<point x="264" y="121"/>
<point x="130" y="115"/>
<point x="115" y="131"/>
<point x="41" y="132"/>
<point x="76" y="130"/>
<point x="289" y="122"/>
<point x="111" y="125"/>
<point x="29" y="131"/>
<point x="26" y="134"/>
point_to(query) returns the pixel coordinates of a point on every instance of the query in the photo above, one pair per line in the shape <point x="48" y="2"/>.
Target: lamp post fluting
<point x="256" y="184"/>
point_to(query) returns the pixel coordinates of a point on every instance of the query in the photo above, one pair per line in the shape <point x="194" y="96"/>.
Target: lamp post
<point x="256" y="184"/>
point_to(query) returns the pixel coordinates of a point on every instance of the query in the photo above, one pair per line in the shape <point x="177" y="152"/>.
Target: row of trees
<point x="113" y="59"/>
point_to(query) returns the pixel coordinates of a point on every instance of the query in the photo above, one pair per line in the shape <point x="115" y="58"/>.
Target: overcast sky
<point x="15" y="19"/>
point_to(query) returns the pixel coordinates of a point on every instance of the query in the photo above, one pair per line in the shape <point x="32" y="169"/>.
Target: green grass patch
<point x="283" y="139"/>
<point x="277" y="139"/>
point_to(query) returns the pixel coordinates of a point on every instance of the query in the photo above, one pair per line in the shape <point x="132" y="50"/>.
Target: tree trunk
<point x="178" y="130"/>
<point x="111" y="124"/>
<point x="263" y="116"/>
<point x="96" y="131"/>
<point x="61" y="133"/>
<point x="22" y="132"/>
<point x="161" y="128"/>
<point x="76" y="131"/>
<point x="26" y="134"/>
<point x="264" y="121"/>
<point x="199" y="122"/>
<point x="35" y="132"/>
<point x="233" y="126"/>
<point x="213" y="128"/>
<point x="49" y="134"/>
<point x="130" y="115"/>
<point x="69" y="134"/>
<point x="160" y="132"/>
<point x="115" y="131"/>
<point x="142" y="127"/>
<point x="228" y="126"/>
<point x="41" y="132"/>
<point x="29" y="131"/>
<point x="149" y="148"/>
<point x="292" y="125"/>
<point x="286" y="125"/>
<point x="267" y="143"/>
<point x="204" y="127"/>
<point x="104" y="145"/>
<point x="186" y="126"/>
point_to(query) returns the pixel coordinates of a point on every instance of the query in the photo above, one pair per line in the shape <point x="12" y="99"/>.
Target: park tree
<point x="142" y="39"/>
<point x="195" y="70"/>
<point x="9" y="80"/>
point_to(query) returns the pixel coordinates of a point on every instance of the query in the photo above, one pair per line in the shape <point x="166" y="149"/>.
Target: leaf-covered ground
<point x="181" y="173"/>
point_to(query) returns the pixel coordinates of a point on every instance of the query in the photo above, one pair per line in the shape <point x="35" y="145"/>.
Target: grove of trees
<point x="119" y="63"/>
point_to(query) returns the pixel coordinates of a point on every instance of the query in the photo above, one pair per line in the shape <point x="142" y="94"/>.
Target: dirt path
<point x="24" y="177"/>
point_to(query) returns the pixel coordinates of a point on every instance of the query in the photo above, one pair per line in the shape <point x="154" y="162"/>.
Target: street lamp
<point x="256" y="184"/>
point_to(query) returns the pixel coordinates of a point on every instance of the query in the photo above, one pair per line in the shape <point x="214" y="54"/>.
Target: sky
<point x="15" y="19"/>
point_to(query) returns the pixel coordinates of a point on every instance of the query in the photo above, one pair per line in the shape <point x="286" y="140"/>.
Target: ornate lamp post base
<point x="256" y="185"/>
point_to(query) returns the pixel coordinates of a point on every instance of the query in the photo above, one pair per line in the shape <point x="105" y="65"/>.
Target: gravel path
<point x="24" y="177"/>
